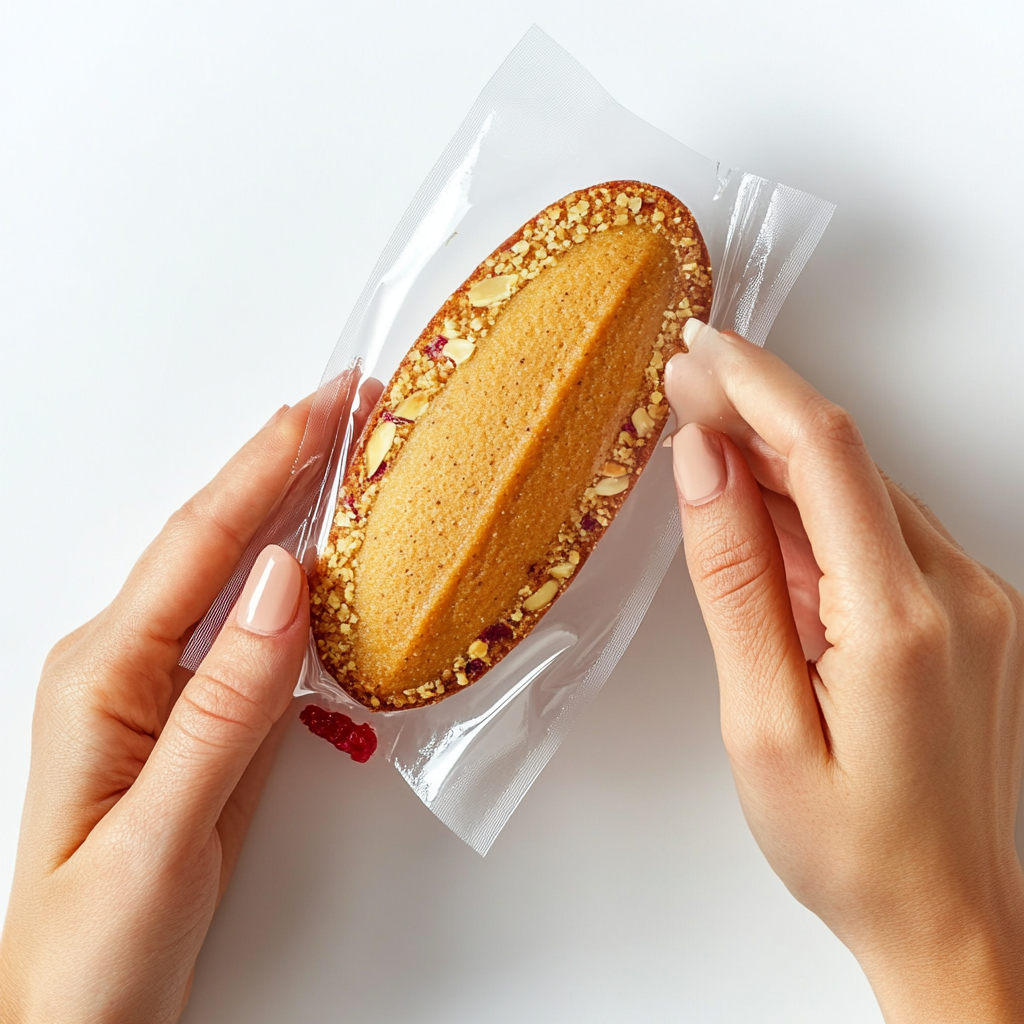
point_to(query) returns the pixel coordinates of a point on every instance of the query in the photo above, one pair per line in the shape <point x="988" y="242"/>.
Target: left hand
<point x="144" y="781"/>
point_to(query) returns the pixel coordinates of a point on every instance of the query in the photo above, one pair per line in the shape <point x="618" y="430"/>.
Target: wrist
<point x="961" y="960"/>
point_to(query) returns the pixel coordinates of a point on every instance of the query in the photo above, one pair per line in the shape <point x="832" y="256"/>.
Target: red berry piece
<point x="358" y="741"/>
<point x="496" y="633"/>
<point x="588" y="523"/>
<point x="434" y="348"/>
<point x="475" y="668"/>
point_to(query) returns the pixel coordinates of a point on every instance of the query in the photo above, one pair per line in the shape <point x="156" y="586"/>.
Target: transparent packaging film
<point x="542" y="128"/>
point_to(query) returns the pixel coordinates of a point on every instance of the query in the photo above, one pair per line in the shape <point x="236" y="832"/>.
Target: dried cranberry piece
<point x="388" y="415"/>
<point x="589" y="523"/>
<point x="629" y="428"/>
<point x="496" y="633"/>
<point x="358" y="741"/>
<point x="434" y="348"/>
<point x="475" y="668"/>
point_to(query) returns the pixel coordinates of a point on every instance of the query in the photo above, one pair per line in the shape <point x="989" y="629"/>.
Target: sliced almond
<point x="643" y="423"/>
<point x="613" y="469"/>
<point x="610" y="485"/>
<point x="544" y="596"/>
<point x="562" y="571"/>
<point x="413" y="407"/>
<point x="379" y="445"/>
<point x="492" y="289"/>
<point x="458" y="350"/>
<point x="477" y="649"/>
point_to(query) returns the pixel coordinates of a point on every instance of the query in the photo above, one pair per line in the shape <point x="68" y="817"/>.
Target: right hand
<point x="881" y="777"/>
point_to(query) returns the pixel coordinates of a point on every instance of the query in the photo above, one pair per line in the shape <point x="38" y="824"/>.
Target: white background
<point x="191" y="196"/>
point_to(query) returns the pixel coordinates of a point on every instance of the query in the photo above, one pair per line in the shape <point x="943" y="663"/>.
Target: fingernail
<point x="271" y="593"/>
<point x="277" y="415"/>
<point x="699" y="465"/>
<point x="697" y="330"/>
<point x="691" y="329"/>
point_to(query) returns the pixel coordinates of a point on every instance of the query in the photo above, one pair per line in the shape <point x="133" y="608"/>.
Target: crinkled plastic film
<point x="542" y="128"/>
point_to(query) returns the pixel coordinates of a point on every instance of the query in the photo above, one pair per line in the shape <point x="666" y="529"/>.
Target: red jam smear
<point x="358" y="741"/>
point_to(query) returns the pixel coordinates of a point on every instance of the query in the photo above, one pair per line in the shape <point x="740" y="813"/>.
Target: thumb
<point x="768" y="703"/>
<point x="226" y="709"/>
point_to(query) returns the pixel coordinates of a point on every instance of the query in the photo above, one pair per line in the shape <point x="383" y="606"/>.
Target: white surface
<point x="191" y="195"/>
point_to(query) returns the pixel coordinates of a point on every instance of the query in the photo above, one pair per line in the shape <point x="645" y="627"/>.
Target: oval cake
<point x="505" y="443"/>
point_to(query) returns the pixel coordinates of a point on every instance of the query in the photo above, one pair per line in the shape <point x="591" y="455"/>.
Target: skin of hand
<point x="872" y="684"/>
<point x="144" y="778"/>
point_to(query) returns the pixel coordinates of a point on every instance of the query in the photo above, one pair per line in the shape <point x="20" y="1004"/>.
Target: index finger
<point x="846" y="510"/>
<point x="182" y="570"/>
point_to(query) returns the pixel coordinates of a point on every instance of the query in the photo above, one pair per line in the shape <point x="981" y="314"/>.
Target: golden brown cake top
<point x="466" y="507"/>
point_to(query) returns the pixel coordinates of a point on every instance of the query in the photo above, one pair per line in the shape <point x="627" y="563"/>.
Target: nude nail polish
<point x="691" y="329"/>
<point x="699" y="465"/>
<point x="271" y="593"/>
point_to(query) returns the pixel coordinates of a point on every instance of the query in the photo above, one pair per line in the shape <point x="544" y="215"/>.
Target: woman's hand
<point x="144" y="781"/>
<point x="881" y="777"/>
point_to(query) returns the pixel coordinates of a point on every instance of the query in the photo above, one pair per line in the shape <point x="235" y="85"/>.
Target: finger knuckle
<point x="923" y="627"/>
<point x="1016" y="605"/>
<point x="830" y="425"/>
<point x="732" y="570"/>
<point x="762" y="748"/>
<point x="64" y="648"/>
<point x="994" y="613"/>
<point x="215" y="706"/>
<point x="69" y="661"/>
<point x="200" y="512"/>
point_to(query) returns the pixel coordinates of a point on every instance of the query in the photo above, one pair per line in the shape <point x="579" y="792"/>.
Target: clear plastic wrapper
<point x="543" y="127"/>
